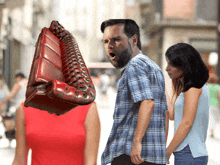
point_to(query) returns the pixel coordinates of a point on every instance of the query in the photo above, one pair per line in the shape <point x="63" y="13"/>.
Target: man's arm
<point x="144" y="115"/>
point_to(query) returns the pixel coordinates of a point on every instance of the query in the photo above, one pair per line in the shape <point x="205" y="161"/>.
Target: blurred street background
<point x="162" y="22"/>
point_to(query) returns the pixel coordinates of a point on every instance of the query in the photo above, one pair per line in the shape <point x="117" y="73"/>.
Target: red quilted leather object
<point x="59" y="79"/>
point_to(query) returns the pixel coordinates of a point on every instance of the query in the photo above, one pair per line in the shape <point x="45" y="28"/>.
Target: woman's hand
<point x="168" y="156"/>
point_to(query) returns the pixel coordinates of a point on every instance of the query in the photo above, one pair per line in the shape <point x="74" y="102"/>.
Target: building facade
<point x="21" y="23"/>
<point x="189" y="21"/>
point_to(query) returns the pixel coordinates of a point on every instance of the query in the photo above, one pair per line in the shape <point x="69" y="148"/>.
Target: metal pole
<point x="218" y="37"/>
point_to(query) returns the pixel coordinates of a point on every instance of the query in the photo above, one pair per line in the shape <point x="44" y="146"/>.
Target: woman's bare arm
<point x="191" y="98"/>
<point x="22" y="148"/>
<point x="92" y="125"/>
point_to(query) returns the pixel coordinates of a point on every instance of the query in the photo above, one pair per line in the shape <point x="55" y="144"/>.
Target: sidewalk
<point x="213" y="145"/>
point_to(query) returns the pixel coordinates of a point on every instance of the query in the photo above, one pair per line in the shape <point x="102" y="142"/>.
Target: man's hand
<point x="136" y="153"/>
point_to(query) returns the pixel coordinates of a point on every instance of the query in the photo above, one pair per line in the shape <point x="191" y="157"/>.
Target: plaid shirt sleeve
<point x="139" y="84"/>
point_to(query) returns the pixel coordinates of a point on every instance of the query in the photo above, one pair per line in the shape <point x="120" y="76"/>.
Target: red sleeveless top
<point x="56" y="140"/>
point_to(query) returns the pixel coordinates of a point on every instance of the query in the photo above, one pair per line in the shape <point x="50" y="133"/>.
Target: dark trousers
<point x="126" y="160"/>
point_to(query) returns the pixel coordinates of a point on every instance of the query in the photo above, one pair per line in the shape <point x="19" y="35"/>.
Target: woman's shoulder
<point x="84" y="108"/>
<point x="20" y="109"/>
<point x="197" y="93"/>
<point x="80" y="112"/>
<point x="91" y="107"/>
<point x="20" y="116"/>
<point x="195" y="90"/>
<point x="193" y="93"/>
<point x="93" y="114"/>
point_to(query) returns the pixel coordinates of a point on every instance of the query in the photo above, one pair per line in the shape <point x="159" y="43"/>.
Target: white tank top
<point x="20" y="95"/>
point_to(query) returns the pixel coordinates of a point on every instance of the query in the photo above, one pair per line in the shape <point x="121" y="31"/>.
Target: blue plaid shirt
<point x="141" y="79"/>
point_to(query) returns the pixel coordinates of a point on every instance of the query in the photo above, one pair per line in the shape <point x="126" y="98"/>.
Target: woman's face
<point x="172" y="71"/>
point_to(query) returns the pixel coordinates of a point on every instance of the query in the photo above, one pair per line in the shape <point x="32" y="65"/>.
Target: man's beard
<point x="123" y="58"/>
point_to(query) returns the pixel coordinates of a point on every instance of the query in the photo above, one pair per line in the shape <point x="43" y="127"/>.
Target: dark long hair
<point x="195" y="71"/>
<point x="130" y="28"/>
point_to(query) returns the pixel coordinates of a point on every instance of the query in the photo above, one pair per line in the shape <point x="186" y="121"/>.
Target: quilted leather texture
<point x="59" y="79"/>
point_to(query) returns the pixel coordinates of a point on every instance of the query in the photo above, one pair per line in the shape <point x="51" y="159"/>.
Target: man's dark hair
<point x="19" y="75"/>
<point x="130" y="27"/>
<point x="186" y="57"/>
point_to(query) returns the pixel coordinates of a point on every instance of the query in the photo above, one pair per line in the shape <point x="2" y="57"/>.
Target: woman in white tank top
<point x="18" y="91"/>
<point x="189" y="75"/>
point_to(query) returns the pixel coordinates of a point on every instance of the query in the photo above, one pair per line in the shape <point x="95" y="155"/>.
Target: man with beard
<point x="138" y="134"/>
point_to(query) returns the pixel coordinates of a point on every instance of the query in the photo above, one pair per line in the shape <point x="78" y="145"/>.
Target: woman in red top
<point x="69" y="139"/>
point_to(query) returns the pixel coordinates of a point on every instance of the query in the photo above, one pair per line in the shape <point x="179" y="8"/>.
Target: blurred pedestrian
<point x="104" y="83"/>
<point x="139" y="128"/>
<point x="17" y="92"/>
<point x="189" y="75"/>
<point x="18" y="95"/>
<point x="214" y="91"/>
<point x="4" y="92"/>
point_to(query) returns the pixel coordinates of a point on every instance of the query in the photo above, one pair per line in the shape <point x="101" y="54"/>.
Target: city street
<point x="42" y="38"/>
<point x="105" y="107"/>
